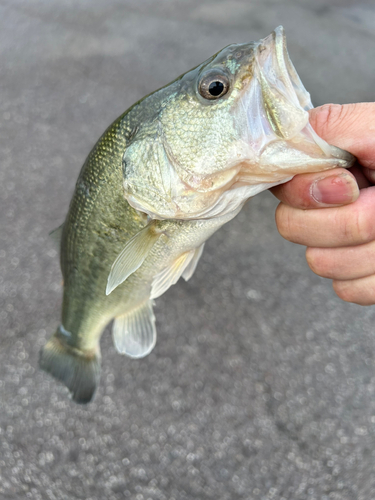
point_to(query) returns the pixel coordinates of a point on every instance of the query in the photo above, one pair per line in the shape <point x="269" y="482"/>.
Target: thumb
<point x="348" y="126"/>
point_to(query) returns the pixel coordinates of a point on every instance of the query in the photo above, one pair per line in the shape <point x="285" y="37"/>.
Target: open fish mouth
<point x="274" y="60"/>
<point x="278" y="138"/>
<point x="285" y="99"/>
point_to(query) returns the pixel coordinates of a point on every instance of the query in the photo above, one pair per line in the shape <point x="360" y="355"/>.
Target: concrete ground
<point x="262" y="383"/>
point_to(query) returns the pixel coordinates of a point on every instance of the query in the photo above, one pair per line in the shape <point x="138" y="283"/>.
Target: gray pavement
<point x="262" y="383"/>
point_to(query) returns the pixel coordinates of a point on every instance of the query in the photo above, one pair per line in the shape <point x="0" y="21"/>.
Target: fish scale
<point x="165" y="176"/>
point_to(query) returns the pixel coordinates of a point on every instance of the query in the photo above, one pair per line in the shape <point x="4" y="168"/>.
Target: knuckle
<point x="363" y="227"/>
<point x="319" y="263"/>
<point x="286" y="188"/>
<point x="298" y="191"/>
<point x="306" y="199"/>
<point x="283" y="221"/>
<point x="328" y="117"/>
<point x="330" y="120"/>
<point x="343" y="291"/>
<point x="351" y="292"/>
<point x="287" y="193"/>
<point x="355" y="229"/>
<point x="313" y="261"/>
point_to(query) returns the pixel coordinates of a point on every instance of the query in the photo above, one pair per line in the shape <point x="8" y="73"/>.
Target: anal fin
<point x="134" y="333"/>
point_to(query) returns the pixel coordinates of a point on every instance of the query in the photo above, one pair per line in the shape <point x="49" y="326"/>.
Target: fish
<point x="165" y="176"/>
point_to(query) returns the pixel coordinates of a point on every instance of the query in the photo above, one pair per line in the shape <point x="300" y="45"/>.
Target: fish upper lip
<point x="274" y="99"/>
<point x="274" y="48"/>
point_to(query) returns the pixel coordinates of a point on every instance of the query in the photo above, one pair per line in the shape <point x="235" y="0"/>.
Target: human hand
<point x="333" y="212"/>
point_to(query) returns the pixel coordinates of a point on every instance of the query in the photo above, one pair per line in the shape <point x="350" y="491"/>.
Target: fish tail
<point x="78" y="370"/>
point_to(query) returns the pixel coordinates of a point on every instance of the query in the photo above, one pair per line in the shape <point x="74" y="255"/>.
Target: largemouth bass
<point x="165" y="176"/>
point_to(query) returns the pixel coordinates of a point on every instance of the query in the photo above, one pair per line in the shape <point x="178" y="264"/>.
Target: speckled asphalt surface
<point x="262" y="383"/>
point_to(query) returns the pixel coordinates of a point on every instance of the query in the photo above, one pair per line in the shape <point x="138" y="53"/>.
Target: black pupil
<point x="216" y="88"/>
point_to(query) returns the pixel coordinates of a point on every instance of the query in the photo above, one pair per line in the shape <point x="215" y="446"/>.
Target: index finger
<point x="332" y="227"/>
<point x="348" y="126"/>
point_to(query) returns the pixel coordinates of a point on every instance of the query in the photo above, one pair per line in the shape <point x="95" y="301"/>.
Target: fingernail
<point x="335" y="190"/>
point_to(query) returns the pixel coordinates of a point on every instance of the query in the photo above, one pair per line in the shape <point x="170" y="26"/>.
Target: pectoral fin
<point x="191" y="267"/>
<point x="134" y="333"/>
<point x="171" y="274"/>
<point x="132" y="256"/>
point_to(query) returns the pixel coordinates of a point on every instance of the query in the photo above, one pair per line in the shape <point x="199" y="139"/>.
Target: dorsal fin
<point x="134" y="333"/>
<point x="56" y="234"/>
<point x="132" y="256"/>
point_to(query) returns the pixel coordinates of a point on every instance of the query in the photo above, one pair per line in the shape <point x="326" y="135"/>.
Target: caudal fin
<point x="78" y="370"/>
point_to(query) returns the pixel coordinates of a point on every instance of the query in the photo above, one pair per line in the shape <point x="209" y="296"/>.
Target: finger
<point x="361" y="291"/>
<point x="346" y="263"/>
<point x="324" y="189"/>
<point x="330" y="227"/>
<point x="362" y="179"/>
<point x="369" y="174"/>
<point x="348" y="126"/>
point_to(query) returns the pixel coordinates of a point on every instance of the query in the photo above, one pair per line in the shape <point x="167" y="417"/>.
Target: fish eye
<point x="213" y="85"/>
